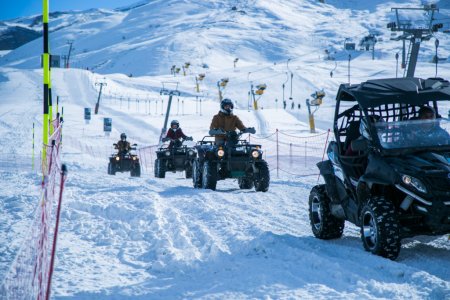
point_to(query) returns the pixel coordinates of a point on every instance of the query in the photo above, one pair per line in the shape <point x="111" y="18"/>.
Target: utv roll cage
<point x="392" y="100"/>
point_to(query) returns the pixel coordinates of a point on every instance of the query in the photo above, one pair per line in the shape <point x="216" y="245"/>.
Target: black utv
<point x="175" y="157"/>
<point x="234" y="158"/>
<point x="388" y="170"/>
<point x="125" y="162"/>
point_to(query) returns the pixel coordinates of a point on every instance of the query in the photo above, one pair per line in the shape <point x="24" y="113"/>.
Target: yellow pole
<point x="46" y="71"/>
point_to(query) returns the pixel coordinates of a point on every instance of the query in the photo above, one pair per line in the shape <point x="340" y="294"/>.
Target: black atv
<point x="124" y="162"/>
<point x="235" y="158"/>
<point x="388" y="171"/>
<point x="178" y="157"/>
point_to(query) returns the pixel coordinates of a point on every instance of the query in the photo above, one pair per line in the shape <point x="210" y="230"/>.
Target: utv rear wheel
<point x="380" y="231"/>
<point x="209" y="178"/>
<point x="245" y="183"/>
<point x="262" y="178"/>
<point x="111" y="169"/>
<point x="323" y="224"/>
<point x="197" y="174"/>
<point x="160" y="168"/>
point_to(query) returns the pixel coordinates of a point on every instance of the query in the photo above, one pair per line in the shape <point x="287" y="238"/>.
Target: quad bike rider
<point x="176" y="156"/>
<point x="228" y="156"/>
<point x="123" y="160"/>
<point x="394" y="182"/>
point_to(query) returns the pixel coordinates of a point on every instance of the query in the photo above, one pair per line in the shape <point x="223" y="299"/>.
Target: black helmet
<point x="175" y="122"/>
<point x="123" y="136"/>
<point x="224" y="103"/>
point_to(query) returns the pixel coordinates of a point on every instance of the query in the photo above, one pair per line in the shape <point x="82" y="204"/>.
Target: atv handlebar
<point x="220" y="131"/>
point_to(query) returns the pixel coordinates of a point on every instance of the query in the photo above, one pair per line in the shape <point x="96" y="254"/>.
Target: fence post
<point x="277" y="154"/>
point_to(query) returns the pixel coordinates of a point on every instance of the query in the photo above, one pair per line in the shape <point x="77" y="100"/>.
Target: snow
<point x="147" y="238"/>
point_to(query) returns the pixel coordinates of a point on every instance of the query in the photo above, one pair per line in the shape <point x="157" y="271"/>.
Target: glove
<point x="216" y="131"/>
<point x="250" y="130"/>
<point x="189" y="138"/>
<point x="165" y="139"/>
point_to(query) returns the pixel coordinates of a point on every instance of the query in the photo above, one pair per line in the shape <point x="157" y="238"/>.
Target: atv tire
<point x="111" y="169"/>
<point x="188" y="172"/>
<point x="380" y="228"/>
<point x="160" y="168"/>
<point x="262" y="178"/>
<point x="245" y="183"/>
<point x="197" y="174"/>
<point x="209" y="175"/>
<point x="136" y="171"/>
<point x="324" y="225"/>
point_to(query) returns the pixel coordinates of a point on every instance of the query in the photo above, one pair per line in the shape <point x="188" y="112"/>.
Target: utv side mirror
<point x="360" y="145"/>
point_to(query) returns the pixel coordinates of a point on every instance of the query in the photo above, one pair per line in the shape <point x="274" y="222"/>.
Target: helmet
<point x="175" y="122"/>
<point x="224" y="103"/>
<point x="123" y="136"/>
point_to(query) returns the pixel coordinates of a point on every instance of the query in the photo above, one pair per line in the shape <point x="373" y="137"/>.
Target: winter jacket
<point x="174" y="135"/>
<point x="227" y="123"/>
<point x="123" y="147"/>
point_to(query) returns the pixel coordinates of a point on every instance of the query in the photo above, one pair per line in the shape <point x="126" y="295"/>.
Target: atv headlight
<point x="167" y="153"/>
<point x="255" y="153"/>
<point x="117" y="158"/>
<point x="414" y="182"/>
<point x="134" y="157"/>
<point x="220" y="153"/>
<point x="191" y="153"/>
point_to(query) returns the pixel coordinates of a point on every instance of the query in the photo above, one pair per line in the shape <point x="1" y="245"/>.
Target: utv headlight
<point x="220" y="153"/>
<point x="167" y="153"/>
<point x="255" y="153"/>
<point x="414" y="182"/>
<point x="117" y="158"/>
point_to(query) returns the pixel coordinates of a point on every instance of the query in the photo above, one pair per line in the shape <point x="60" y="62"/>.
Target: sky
<point x="19" y="8"/>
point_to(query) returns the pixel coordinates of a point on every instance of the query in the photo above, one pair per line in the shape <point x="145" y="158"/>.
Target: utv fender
<point x="370" y="181"/>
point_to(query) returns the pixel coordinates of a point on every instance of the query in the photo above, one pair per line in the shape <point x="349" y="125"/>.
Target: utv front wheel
<point x="160" y="168"/>
<point x="323" y="224"/>
<point x="209" y="178"/>
<point x="380" y="231"/>
<point x="197" y="174"/>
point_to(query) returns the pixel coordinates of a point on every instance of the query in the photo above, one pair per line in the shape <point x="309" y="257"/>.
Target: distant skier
<point x="227" y="121"/>
<point x="123" y="146"/>
<point x="175" y="133"/>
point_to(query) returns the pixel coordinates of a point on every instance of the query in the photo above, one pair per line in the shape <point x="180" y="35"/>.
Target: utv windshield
<point x="414" y="134"/>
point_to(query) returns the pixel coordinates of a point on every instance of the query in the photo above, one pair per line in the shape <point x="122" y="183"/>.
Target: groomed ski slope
<point x="147" y="238"/>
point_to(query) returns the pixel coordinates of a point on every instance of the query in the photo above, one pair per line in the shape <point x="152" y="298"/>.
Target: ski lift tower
<point x="414" y="33"/>
<point x="169" y="92"/>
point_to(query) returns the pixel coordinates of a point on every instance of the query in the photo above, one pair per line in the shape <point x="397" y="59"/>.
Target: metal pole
<point x="436" y="43"/>
<point x="46" y="79"/>
<point x="396" y="65"/>
<point x="349" y="58"/>
<point x="290" y="96"/>
<point x="163" y="131"/>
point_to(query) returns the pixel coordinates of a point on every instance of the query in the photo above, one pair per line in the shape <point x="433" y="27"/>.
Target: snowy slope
<point x="147" y="238"/>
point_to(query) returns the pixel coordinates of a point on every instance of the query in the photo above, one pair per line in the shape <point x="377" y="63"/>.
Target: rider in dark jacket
<point x="123" y="146"/>
<point x="174" y="133"/>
